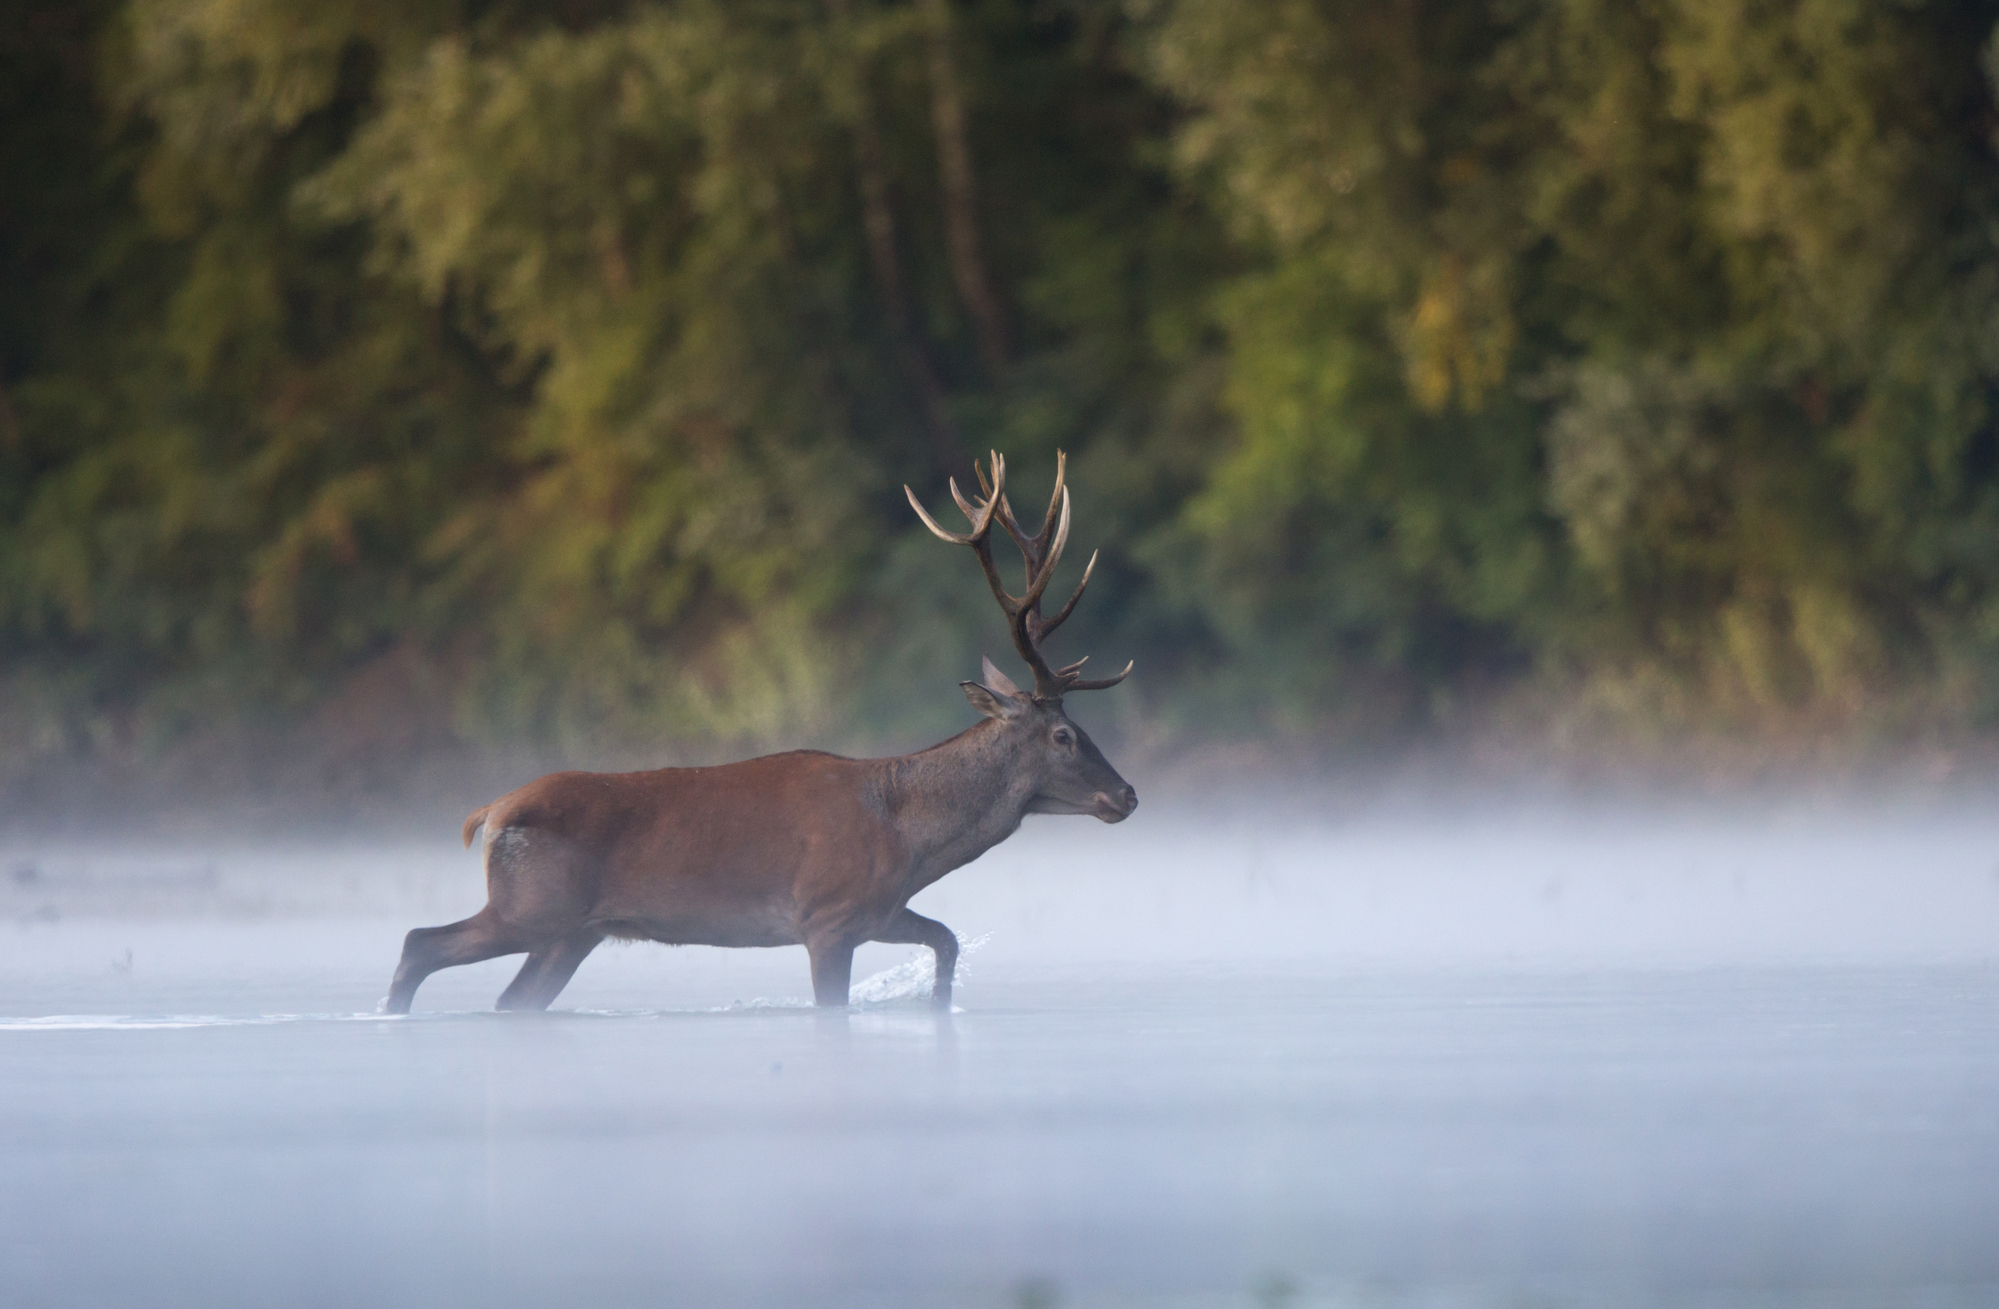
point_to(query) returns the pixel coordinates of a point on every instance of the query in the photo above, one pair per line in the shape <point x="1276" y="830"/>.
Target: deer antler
<point x="1040" y="553"/>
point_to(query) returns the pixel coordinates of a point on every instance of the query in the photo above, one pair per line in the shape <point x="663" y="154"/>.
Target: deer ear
<point x="996" y="681"/>
<point x="1001" y="707"/>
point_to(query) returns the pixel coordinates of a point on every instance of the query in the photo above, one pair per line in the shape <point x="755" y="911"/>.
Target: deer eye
<point x="1063" y="736"/>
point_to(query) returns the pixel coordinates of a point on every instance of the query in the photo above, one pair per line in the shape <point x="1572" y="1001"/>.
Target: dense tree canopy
<point x="549" y="372"/>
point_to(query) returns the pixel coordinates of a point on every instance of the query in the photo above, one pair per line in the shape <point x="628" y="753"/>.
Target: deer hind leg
<point x="542" y="886"/>
<point x="912" y="928"/>
<point x="547" y="970"/>
<point x="427" y="949"/>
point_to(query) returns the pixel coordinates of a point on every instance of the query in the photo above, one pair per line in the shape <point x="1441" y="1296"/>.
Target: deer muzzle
<point x="1114" y="806"/>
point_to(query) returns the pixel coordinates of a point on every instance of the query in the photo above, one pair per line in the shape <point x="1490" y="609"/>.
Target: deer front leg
<point x="832" y="971"/>
<point x="912" y="928"/>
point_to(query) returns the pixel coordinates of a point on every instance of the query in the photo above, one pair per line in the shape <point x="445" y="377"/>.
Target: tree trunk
<point x="878" y="222"/>
<point x="954" y="166"/>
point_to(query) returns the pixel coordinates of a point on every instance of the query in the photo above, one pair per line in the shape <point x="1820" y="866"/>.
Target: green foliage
<point x="1659" y="281"/>
<point x="550" y="373"/>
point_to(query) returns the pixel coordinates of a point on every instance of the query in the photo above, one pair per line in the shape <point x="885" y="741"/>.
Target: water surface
<point x="1503" y="1063"/>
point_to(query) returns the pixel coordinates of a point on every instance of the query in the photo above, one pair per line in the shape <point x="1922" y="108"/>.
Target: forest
<point x="387" y="378"/>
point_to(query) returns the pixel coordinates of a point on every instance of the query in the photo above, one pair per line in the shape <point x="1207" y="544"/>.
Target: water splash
<point x="912" y="978"/>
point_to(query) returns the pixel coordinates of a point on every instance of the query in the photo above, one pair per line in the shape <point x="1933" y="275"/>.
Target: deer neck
<point x="959" y="799"/>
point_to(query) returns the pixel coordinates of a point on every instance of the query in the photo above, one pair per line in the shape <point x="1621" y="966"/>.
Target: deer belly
<point x="726" y="925"/>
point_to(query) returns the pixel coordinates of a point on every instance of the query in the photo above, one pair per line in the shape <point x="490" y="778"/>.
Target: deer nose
<point x="1114" y="806"/>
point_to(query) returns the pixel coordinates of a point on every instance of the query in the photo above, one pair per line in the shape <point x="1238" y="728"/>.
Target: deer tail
<point x="473" y="822"/>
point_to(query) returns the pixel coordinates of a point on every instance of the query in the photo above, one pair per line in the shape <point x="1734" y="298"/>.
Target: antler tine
<point x="969" y="509"/>
<point x="955" y="538"/>
<point x="995" y="491"/>
<point x="982" y="516"/>
<point x="1028" y="553"/>
<point x="1050" y="624"/>
<point x="993" y="488"/>
<point x="1034" y="549"/>
<point x="1101" y="683"/>
<point x="1020" y="538"/>
<point x="1047" y="562"/>
<point x="1055" y="497"/>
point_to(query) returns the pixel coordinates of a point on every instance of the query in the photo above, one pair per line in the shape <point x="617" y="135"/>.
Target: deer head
<point x="1071" y="774"/>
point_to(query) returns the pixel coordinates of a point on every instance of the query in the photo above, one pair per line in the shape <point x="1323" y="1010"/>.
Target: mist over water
<point x="1224" y="1057"/>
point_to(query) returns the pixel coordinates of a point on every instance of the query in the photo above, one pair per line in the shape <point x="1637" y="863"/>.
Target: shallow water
<point x="1387" y="1063"/>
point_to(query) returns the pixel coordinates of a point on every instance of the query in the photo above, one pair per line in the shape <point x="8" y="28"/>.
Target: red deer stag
<point x="805" y="848"/>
